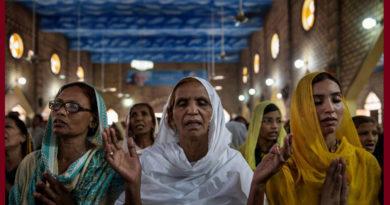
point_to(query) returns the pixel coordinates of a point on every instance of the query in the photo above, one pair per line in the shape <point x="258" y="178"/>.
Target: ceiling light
<point x="218" y="77"/>
<point x="112" y="89"/>
<point x="62" y="77"/>
<point x="241" y="98"/>
<point x="369" y="23"/>
<point x="218" y="87"/>
<point x="142" y="65"/>
<point x="269" y="81"/>
<point x="120" y="95"/>
<point x="279" y="95"/>
<point x="252" y="91"/>
<point x="299" y="64"/>
<point x="22" y="81"/>
<point x="127" y="95"/>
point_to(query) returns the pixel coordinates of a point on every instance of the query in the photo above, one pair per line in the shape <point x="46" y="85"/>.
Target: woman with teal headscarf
<point x="265" y="129"/>
<point x="69" y="169"/>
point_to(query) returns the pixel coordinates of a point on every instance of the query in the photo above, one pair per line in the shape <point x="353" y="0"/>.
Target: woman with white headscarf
<point x="190" y="161"/>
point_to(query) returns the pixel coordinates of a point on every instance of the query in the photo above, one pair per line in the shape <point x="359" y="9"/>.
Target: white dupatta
<point x="220" y="177"/>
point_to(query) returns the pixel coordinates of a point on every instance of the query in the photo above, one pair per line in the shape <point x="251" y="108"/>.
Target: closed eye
<point x="181" y="102"/>
<point x="203" y="102"/>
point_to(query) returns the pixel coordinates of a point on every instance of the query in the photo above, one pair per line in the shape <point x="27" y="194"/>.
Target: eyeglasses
<point x="69" y="106"/>
<point x="271" y="121"/>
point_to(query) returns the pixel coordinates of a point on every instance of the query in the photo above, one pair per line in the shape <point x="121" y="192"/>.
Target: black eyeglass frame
<point x="63" y="104"/>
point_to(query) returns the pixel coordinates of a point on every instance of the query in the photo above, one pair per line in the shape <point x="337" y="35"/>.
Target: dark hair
<point x="151" y="111"/>
<point x="90" y="93"/>
<point x="323" y="76"/>
<point x="241" y="119"/>
<point x="360" y="119"/>
<point x="171" y="102"/>
<point x="270" y="108"/>
<point x="23" y="129"/>
<point x="39" y="116"/>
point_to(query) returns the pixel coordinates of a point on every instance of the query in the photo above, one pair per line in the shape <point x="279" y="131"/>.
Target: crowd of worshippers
<point x="321" y="155"/>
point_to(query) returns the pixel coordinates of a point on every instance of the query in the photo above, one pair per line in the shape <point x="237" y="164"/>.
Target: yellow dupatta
<point x="248" y="148"/>
<point x="300" y="180"/>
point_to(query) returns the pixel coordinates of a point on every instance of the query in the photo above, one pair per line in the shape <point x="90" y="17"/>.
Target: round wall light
<point x="369" y="23"/>
<point x="269" y="81"/>
<point x="241" y="98"/>
<point x="252" y="91"/>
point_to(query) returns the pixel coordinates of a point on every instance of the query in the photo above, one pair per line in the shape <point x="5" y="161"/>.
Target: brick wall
<point x="336" y="43"/>
<point x="356" y="41"/>
<point x="41" y="84"/>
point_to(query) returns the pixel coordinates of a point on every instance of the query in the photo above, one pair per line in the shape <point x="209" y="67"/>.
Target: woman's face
<point x="192" y="111"/>
<point x="368" y="134"/>
<point x="141" y="121"/>
<point x="13" y="135"/>
<point x="67" y="124"/>
<point x="270" y="126"/>
<point x="329" y="105"/>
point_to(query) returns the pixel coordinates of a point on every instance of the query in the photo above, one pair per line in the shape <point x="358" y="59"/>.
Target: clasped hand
<point x="53" y="193"/>
<point x="335" y="188"/>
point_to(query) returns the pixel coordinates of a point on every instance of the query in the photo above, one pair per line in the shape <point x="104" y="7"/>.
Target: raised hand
<point x="335" y="188"/>
<point x="270" y="165"/>
<point x="273" y="161"/>
<point x="127" y="165"/>
<point x="53" y="194"/>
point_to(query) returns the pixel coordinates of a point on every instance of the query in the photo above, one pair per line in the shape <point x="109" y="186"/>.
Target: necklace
<point x="334" y="147"/>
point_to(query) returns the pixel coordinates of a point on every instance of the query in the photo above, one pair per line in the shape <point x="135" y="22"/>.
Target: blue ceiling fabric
<point x="157" y="30"/>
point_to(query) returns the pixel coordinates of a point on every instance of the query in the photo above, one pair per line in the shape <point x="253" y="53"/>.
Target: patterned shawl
<point x="90" y="178"/>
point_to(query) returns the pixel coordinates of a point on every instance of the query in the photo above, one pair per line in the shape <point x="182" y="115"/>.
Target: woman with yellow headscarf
<point x="328" y="161"/>
<point x="265" y="130"/>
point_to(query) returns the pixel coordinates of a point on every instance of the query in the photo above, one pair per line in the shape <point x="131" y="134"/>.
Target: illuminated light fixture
<point x="16" y="45"/>
<point x="112" y="89"/>
<point x="275" y="46"/>
<point x="22" y="81"/>
<point x="80" y="73"/>
<point x="218" y="87"/>
<point x="252" y="91"/>
<point x="218" y="77"/>
<point x="256" y="64"/>
<point x="55" y="63"/>
<point x="142" y="65"/>
<point x="269" y="81"/>
<point x="369" y="23"/>
<point x="244" y="79"/>
<point x="307" y="16"/>
<point x="62" y="77"/>
<point x="299" y="64"/>
<point x="245" y="75"/>
<point x="128" y="102"/>
<point x="279" y="95"/>
<point x="127" y="95"/>
<point x="120" y="95"/>
<point x="158" y="114"/>
<point x="241" y="98"/>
